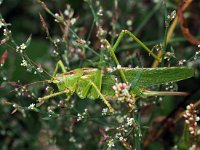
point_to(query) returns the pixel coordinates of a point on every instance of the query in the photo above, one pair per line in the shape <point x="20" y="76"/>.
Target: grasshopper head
<point x="57" y="79"/>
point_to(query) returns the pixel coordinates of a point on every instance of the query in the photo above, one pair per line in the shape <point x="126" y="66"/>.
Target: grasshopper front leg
<point x="41" y="100"/>
<point x="102" y="97"/>
<point x="61" y="65"/>
<point x="90" y="86"/>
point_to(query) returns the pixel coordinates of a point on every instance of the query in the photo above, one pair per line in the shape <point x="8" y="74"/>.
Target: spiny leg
<point x="92" y="87"/>
<point x="112" y="53"/>
<point x="121" y="35"/>
<point x="131" y="104"/>
<point x="102" y="97"/>
<point x="40" y="100"/>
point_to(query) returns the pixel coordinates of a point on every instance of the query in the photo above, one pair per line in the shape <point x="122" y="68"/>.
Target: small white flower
<point x="173" y="15"/>
<point x="197" y="118"/>
<point x="81" y="116"/>
<point x="39" y="69"/>
<point x="31" y="106"/>
<point x="108" y="46"/>
<point x="130" y="121"/>
<point x="72" y="139"/>
<point x="73" y="21"/>
<point x="104" y="111"/>
<point x="5" y="32"/>
<point x="56" y="15"/>
<point x="121" y="138"/>
<point x="122" y="92"/>
<point x="57" y="40"/>
<point x="66" y="12"/>
<point x="100" y="12"/>
<point x="111" y="143"/>
<point x="69" y="11"/>
<point x="24" y="63"/>
<point x="180" y="62"/>
<point x="191" y="128"/>
<point x="23" y="46"/>
<point x="187" y="121"/>
<point x="129" y="22"/>
<point x="119" y="67"/>
<point x="50" y="110"/>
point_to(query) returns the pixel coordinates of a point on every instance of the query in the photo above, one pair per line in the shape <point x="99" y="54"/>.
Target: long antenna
<point x="36" y="82"/>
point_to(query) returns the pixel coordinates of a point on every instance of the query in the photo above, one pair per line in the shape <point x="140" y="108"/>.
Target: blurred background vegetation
<point x="42" y="129"/>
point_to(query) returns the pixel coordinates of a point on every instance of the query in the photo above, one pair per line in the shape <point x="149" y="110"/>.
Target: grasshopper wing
<point x="97" y="81"/>
<point x="147" y="77"/>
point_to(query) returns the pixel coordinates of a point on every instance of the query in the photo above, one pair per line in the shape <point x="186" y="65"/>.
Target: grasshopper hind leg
<point x="102" y="97"/>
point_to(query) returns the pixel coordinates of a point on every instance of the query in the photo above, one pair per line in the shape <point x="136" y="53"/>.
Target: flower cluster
<point x="172" y="15"/>
<point x="129" y="23"/>
<point x="191" y="119"/>
<point x="23" y="91"/>
<point x="130" y="121"/>
<point x="31" y="106"/>
<point x="111" y="143"/>
<point x="6" y="33"/>
<point x="50" y="111"/>
<point x="83" y="115"/>
<point x="181" y="62"/>
<point x="122" y="92"/>
<point x="197" y="54"/>
<point x="169" y="18"/>
<point x="28" y="66"/>
<point x="168" y="55"/>
<point x="72" y="139"/>
<point x="170" y="86"/>
<point x="21" y="48"/>
<point x="100" y="12"/>
<point x="24" y="63"/>
<point x="105" y="111"/>
<point x="158" y="47"/>
<point x="101" y="33"/>
<point x="68" y="12"/>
